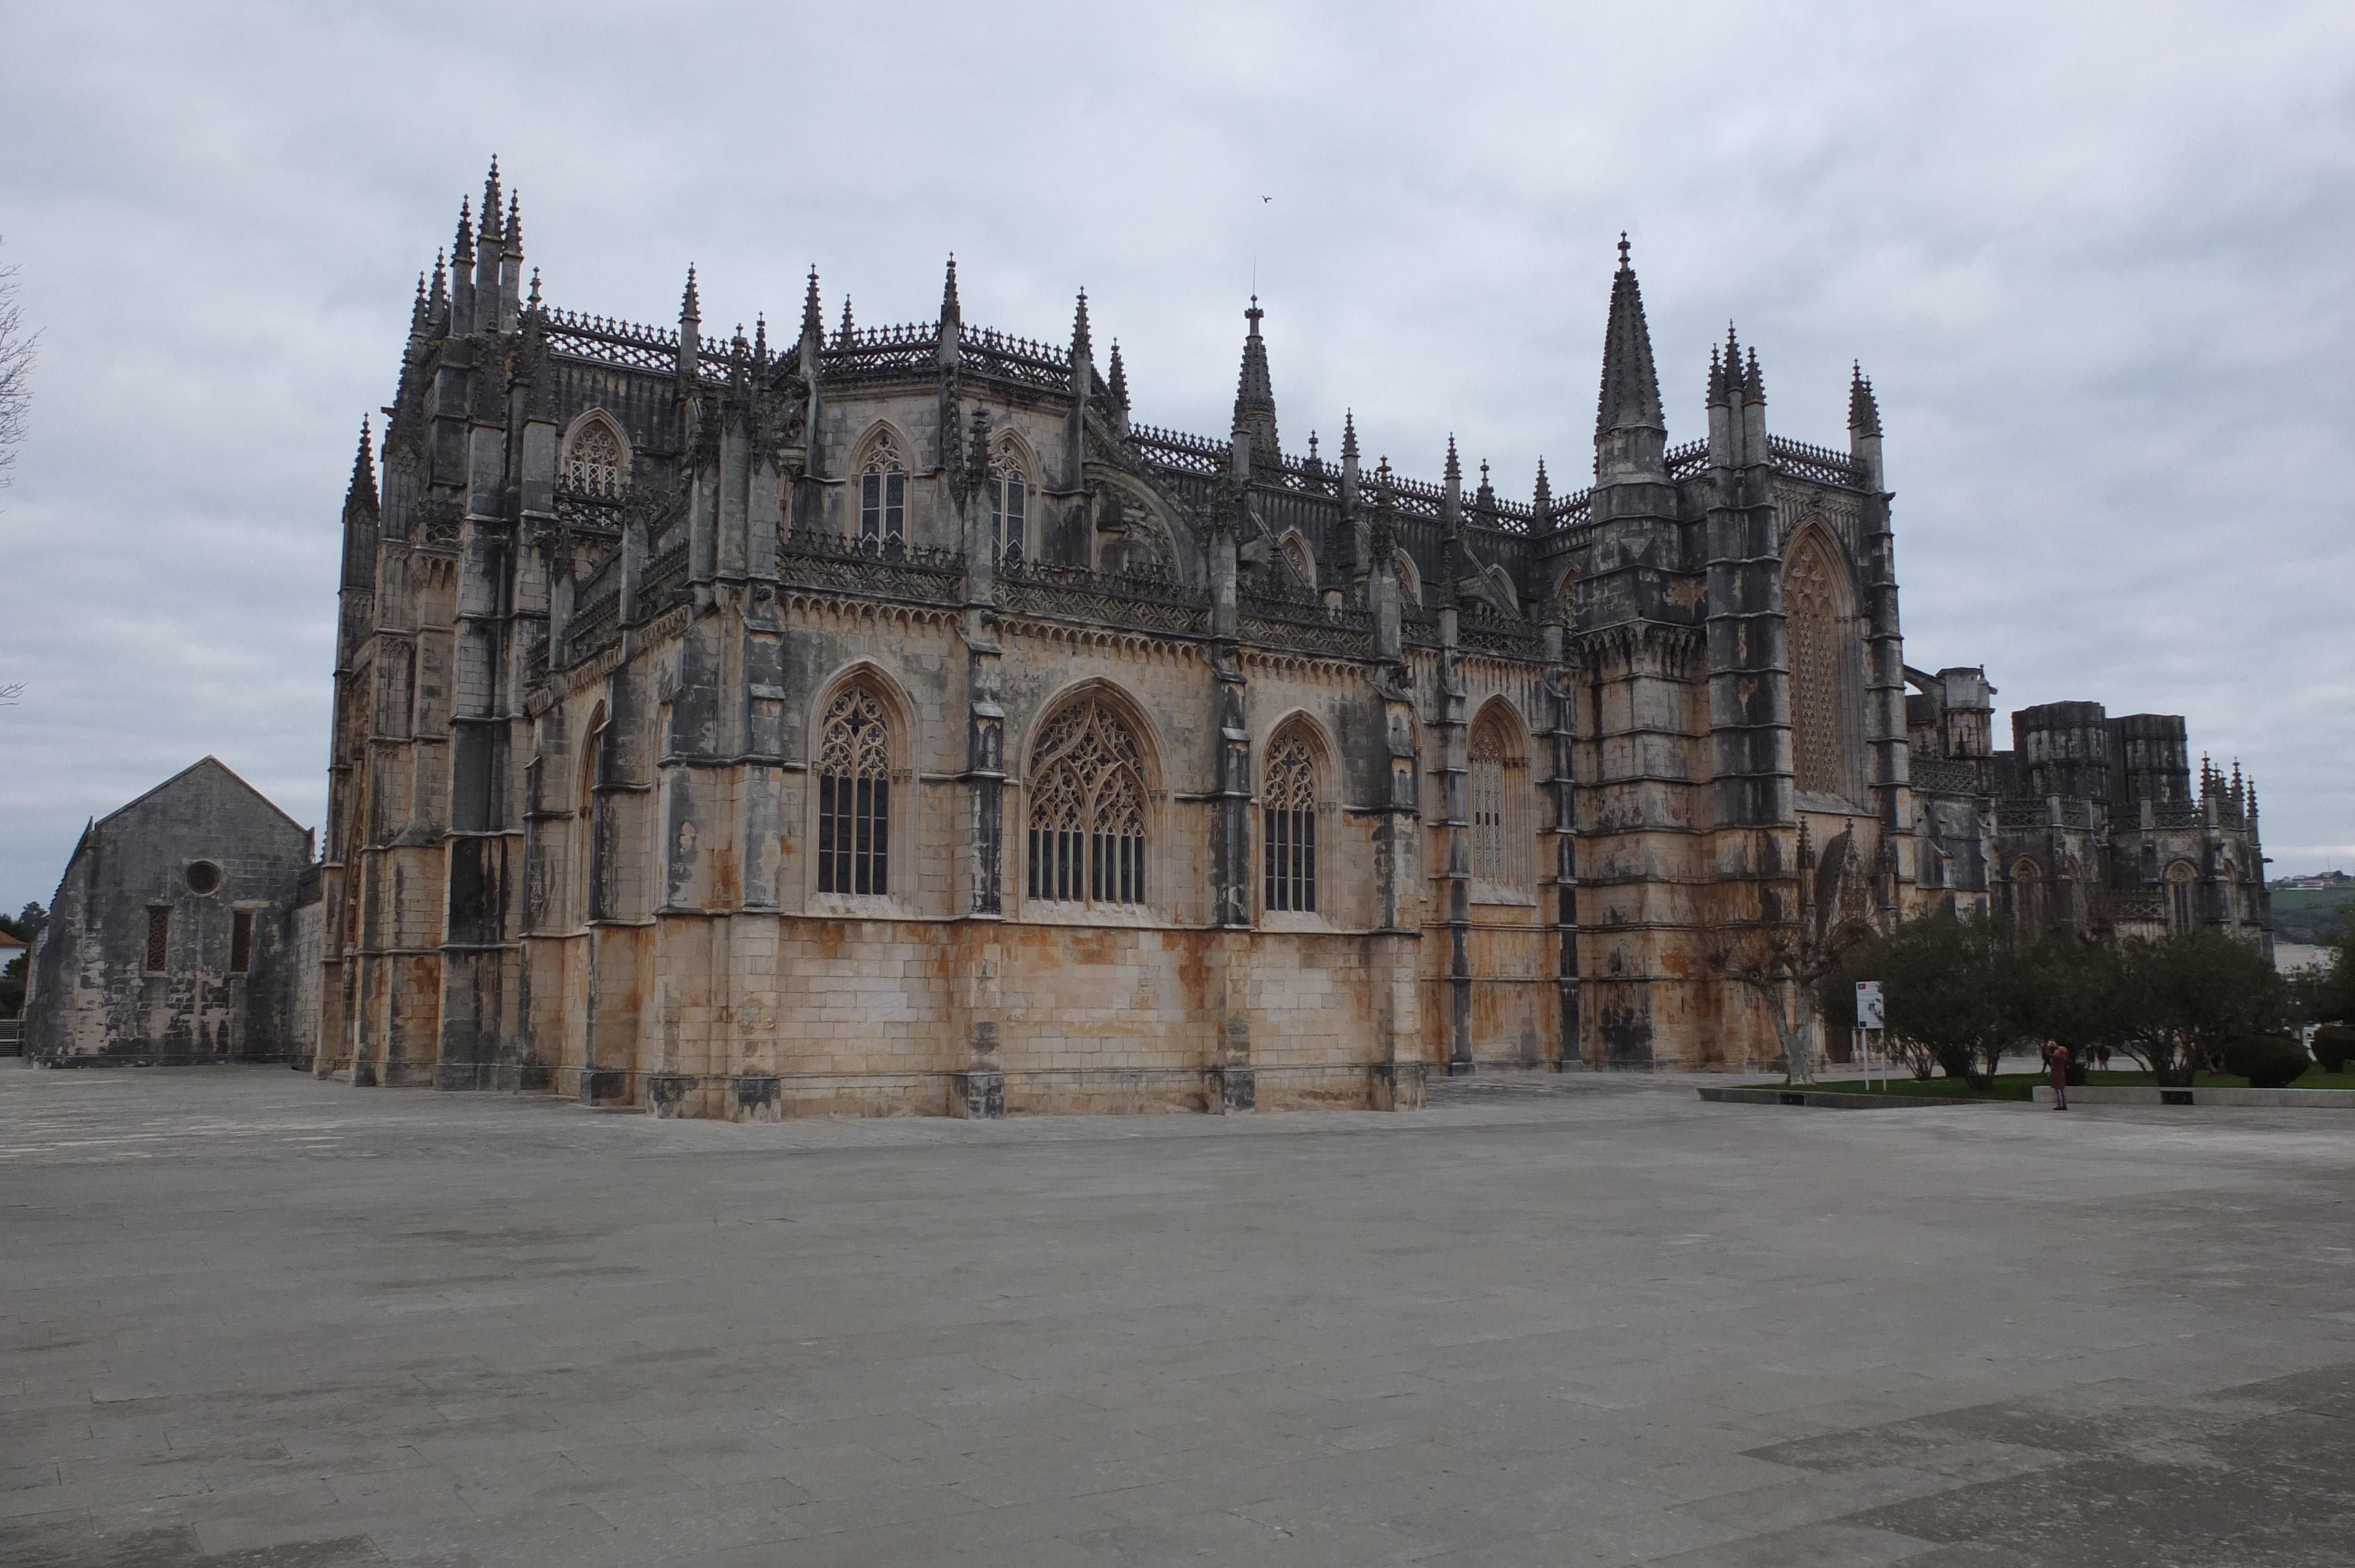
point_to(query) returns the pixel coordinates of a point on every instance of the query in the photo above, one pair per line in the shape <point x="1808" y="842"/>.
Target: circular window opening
<point x="204" y="878"/>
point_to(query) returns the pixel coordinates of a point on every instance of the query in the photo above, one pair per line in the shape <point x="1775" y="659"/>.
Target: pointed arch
<point x="1410" y="580"/>
<point x="860" y="734"/>
<point x="2182" y="896"/>
<point x="1090" y="784"/>
<point x="595" y="455"/>
<point x="2027" y="903"/>
<point x="1292" y="790"/>
<point x="1013" y="483"/>
<point x="592" y="825"/>
<point x="1503" y="825"/>
<point x="1497" y="583"/>
<point x="878" y="477"/>
<point x="1825" y="660"/>
<point x="1300" y="558"/>
<point x="1564" y="601"/>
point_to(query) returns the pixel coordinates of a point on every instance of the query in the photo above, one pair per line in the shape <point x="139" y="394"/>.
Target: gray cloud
<point x="2093" y="256"/>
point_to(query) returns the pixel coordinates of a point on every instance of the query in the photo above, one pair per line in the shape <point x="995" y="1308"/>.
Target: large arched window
<point x="1817" y="605"/>
<point x="882" y="494"/>
<point x="593" y="826"/>
<point x="854" y="796"/>
<point x="1499" y="805"/>
<point x="1087" y="808"/>
<point x="1288" y="823"/>
<point x="1009" y="505"/>
<point x="596" y="462"/>
<point x="2028" y="893"/>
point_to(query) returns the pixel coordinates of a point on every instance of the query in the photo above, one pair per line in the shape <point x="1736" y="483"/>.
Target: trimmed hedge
<point x="2334" y="1046"/>
<point x="2267" y="1061"/>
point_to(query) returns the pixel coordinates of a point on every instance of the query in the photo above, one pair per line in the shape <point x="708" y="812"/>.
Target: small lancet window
<point x="853" y="797"/>
<point x="1087" y="810"/>
<point x="883" y="496"/>
<point x="1288" y="816"/>
<point x="1010" y="498"/>
<point x="593" y="462"/>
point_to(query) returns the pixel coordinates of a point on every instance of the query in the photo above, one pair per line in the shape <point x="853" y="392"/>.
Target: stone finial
<point x="952" y="313"/>
<point x="1753" y="384"/>
<point x="461" y="248"/>
<point x="812" y="322"/>
<point x="513" y="236"/>
<point x="1454" y="471"/>
<point x="1543" y="502"/>
<point x="1119" y="380"/>
<point x="1256" y="394"/>
<point x="1348" y="435"/>
<point x="690" y="307"/>
<point x="490" y="236"/>
<point x="362" y="490"/>
<point x="849" y="329"/>
<point x="534" y="301"/>
<point x="760" y="339"/>
<point x="1082" y="351"/>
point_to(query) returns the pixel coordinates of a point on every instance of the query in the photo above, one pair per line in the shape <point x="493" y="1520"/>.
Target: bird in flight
<point x="1267" y="198"/>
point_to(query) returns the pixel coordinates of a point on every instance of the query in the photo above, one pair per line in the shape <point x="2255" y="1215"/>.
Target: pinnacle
<point x="689" y="304"/>
<point x="1631" y="389"/>
<point x="812" y="322"/>
<point x="1349" y="435"/>
<point x="1119" y="377"/>
<point x="461" y="248"/>
<point x="1863" y="408"/>
<point x="1454" y="469"/>
<point x="363" y="485"/>
<point x="515" y="226"/>
<point x="1079" y="345"/>
<point x="847" y="327"/>
<point x="534" y="301"/>
<point x="1753" y="383"/>
<point x="949" y="308"/>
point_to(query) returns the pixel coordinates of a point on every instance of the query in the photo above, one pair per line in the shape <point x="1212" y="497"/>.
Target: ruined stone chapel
<point x="885" y="720"/>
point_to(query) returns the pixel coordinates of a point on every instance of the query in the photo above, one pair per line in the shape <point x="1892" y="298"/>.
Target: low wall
<point x="2144" y="1094"/>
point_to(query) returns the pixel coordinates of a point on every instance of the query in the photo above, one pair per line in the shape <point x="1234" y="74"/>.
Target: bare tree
<point x="1783" y="957"/>
<point x="17" y="347"/>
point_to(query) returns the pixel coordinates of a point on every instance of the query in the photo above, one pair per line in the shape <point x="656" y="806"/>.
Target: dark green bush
<point x="2334" y="1044"/>
<point x="2267" y="1061"/>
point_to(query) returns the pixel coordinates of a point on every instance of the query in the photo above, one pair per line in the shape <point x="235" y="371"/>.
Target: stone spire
<point x="1119" y="381"/>
<point x="952" y="313"/>
<point x="1349" y="435"/>
<point x="1631" y="436"/>
<point x="1863" y="408"/>
<point x="1753" y="383"/>
<point x="1255" y="397"/>
<point x="848" y="327"/>
<point x="813" y="320"/>
<point x="491" y="205"/>
<point x="513" y="238"/>
<point x="1864" y="430"/>
<point x="461" y="248"/>
<point x="437" y="300"/>
<point x="420" y="312"/>
<point x="1541" y="503"/>
<point x="1631" y="390"/>
<point x="690" y="325"/>
<point x="361" y="497"/>
<point x="1082" y="351"/>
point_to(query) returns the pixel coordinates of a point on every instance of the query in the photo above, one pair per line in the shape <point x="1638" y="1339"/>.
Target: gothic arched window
<point x="594" y="459"/>
<point x="854" y="796"/>
<point x="1302" y="565"/>
<point x="1010" y="498"/>
<point x="2028" y="893"/>
<point x="882" y="494"/>
<point x="1288" y="823"/>
<point x="594" y="828"/>
<point x="1499" y="804"/>
<point x="1821" y="636"/>
<point x="1087" y="808"/>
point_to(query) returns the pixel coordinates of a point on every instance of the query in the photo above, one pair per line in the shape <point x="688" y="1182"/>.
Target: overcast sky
<point x="2095" y="257"/>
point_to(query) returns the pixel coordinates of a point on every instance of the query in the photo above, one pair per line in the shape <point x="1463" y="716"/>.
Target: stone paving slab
<point x="249" y="1318"/>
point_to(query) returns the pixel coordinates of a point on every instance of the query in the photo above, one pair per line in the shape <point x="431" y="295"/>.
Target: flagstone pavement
<point x="249" y="1319"/>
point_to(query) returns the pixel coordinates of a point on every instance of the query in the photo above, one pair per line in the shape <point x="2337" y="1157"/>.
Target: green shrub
<point x="2267" y="1061"/>
<point x="2334" y="1046"/>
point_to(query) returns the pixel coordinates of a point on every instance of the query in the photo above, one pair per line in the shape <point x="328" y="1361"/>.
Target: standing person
<point x="2056" y="1062"/>
<point x="2102" y="1056"/>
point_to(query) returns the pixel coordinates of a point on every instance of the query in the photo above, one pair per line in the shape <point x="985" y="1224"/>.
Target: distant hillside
<point x="2304" y="914"/>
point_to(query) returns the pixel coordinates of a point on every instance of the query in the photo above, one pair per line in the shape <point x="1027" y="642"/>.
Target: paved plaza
<point x="250" y="1319"/>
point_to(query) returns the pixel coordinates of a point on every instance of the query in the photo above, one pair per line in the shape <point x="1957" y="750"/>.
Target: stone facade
<point x="889" y="723"/>
<point x="169" y="939"/>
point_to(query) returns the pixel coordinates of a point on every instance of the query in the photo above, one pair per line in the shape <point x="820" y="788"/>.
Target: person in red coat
<point x="2056" y="1062"/>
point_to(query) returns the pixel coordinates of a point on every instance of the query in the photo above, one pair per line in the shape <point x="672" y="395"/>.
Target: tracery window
<point x="854" y="796"/>
<point x="1815" y="604"/>
<point x="1009" y="496"/>
<point x="1288" y="823"/>
<point x="1296" y="554"/>
<point x="883" y="495"/>
<point x="2028" y="894"/>
<point x="1087" y="808"/>
<point x="1499" y="805"/>
<point x="594" y="462"/>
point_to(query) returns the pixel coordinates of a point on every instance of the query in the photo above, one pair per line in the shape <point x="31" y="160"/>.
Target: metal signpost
<point x="1868" y="1024"/>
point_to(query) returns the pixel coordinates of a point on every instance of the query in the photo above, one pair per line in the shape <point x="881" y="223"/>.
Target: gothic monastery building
<point x="884" y="720"/>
